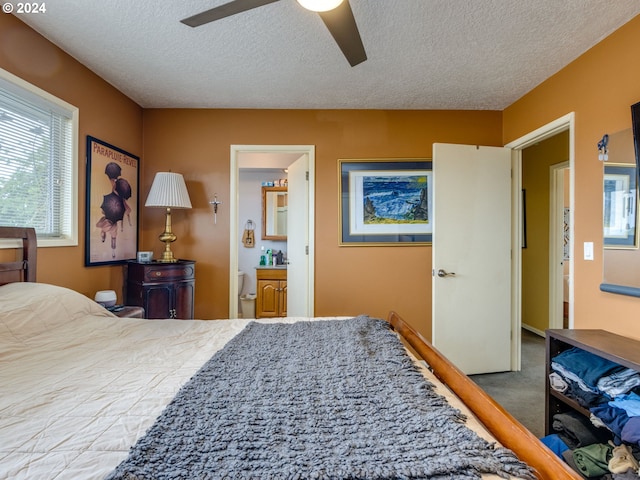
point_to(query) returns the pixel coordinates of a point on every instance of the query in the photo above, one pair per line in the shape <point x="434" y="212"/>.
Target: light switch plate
<point x="588" y="250"/>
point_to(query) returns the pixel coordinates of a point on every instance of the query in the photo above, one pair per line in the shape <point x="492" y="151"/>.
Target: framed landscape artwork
<point x="385" y="202"/>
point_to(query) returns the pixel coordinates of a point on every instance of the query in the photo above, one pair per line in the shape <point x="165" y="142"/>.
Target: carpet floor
<point x="521" y="393"/>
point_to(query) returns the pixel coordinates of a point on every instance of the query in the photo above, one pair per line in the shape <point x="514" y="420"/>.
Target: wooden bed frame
<point x="21" y="270"/>
<point x="502" y="425"/>
<point x="506" y="429"/>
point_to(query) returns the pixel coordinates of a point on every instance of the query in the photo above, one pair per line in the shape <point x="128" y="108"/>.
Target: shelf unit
<point x="616" y="348"/>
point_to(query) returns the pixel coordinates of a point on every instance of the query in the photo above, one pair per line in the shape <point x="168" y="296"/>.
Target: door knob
<point x="442" y="273"/>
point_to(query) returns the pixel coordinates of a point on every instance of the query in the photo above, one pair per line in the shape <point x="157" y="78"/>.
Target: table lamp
<point x="168" y="191"/>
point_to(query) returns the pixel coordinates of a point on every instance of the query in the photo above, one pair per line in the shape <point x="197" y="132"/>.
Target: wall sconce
<point x="603" y="148"/>
<point x="168" y="191"/>
<point x="215" y="204"/>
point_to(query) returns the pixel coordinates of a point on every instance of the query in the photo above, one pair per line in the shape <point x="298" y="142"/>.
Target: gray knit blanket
<point x="334" y="399"/>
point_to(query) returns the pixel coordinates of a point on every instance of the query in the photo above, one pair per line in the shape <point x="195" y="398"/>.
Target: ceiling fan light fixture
<point x="320" y="5"/>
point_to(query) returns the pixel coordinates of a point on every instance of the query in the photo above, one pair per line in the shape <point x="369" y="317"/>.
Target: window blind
<point x="35" y="162"/>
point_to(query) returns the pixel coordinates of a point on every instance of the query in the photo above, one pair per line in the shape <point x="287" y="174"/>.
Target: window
<point x="38" y="162"/>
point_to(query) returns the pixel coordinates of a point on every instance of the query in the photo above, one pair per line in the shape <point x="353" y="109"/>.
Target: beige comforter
<point x="79" y="386"/>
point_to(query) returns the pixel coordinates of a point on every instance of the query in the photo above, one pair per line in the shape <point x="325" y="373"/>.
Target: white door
<point x="472" y="256"/>
<point x="298" y="239"/>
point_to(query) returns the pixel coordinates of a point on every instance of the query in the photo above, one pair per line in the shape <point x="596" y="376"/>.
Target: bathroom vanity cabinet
<point x="271" y="298"/>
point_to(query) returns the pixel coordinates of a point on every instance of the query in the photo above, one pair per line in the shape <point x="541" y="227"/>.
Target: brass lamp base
<point x="167" y="237"/>
<point x="167" y="255"/>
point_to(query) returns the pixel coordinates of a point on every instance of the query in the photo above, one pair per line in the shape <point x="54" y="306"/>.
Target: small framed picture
<point x="145" y="257"/>
<point x="111" y="204"/>
<point x="386" y="202"/>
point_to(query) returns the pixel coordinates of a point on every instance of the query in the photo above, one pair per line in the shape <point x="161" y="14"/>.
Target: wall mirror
<point x="621" y="256"/>
<point x="274" y="213"/>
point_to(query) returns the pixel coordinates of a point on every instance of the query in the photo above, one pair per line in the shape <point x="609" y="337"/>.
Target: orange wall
<point x="348" y="280"/>
<point x="599" y="87"/>
<point x="104" y="113"/>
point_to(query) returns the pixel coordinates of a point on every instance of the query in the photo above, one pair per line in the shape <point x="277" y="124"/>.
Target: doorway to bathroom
<point x="253" y="166"/>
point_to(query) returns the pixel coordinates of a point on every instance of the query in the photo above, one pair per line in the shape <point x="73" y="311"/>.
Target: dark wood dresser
<point x="164" y="290"/>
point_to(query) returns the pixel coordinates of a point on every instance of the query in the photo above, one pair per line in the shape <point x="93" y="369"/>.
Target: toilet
<point x="247" y="302"/>
<point x="240" y="282"/>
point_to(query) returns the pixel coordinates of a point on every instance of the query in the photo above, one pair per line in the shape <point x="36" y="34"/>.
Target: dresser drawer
<point x="157" y="272"/>
<point x="168" y="273"/>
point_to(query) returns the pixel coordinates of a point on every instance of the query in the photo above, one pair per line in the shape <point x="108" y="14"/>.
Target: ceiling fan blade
<point x="342" y="26"/>
<point x="222" y="11"/>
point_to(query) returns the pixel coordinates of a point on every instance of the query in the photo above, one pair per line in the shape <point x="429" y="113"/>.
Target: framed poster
<point x="620" y="206"/>
<point x="111" y="204"/>
<point x="386" y="202"/>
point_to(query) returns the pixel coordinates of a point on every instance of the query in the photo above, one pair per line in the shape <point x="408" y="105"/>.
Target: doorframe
<point x="234" y="202"/>
<point x="566" y="122"/>
<point x="556" y="234"/>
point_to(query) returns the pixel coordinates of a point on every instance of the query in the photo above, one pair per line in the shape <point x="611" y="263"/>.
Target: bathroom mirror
<point x="274" y="213"/>
<point x="621" y="255"/>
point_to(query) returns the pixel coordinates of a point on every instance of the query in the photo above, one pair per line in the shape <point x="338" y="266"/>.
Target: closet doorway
<point x="545" y="255"/>
<point x="270" y="161"/>
<point x="521" y="205"/>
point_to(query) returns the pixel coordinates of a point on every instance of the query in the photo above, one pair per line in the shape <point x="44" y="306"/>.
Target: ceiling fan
<point x="336" y="15"/>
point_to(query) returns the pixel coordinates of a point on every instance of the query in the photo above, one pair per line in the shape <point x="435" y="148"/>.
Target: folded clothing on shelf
<point x="589" y="368"/>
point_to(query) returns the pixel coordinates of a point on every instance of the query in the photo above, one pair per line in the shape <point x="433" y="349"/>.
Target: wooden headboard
<point x="20" y="270"/>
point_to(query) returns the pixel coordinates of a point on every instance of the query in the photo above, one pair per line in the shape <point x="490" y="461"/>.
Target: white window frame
<point x="70" y="237"/>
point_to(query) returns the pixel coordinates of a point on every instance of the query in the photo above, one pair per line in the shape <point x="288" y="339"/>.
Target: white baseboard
<point x="534" y="330"/>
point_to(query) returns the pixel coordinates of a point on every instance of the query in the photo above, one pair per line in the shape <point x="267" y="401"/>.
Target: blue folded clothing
<point x="614" y="418"/>
<point x="630" y="403"/>
<point x="555" y="443"/>
<point x="620" y="382"/>
<point x="589" y="367"/>
<point x="631" y="432"/>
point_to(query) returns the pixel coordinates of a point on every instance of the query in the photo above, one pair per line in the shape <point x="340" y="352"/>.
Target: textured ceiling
<point x="422" y="54"/>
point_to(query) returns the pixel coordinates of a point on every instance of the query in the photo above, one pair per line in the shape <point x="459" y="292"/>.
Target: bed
<point x="84" y="392"/>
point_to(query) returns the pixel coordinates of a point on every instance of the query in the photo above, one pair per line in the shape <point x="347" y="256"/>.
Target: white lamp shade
<point x="168" y="190"/>
<point x="320" y="5"/>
